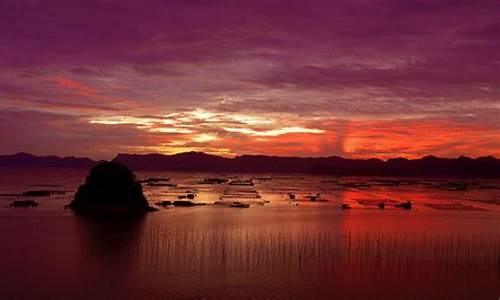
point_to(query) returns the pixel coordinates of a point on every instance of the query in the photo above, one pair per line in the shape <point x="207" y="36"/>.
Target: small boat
<point x="316" y="198"/>
<point x="381" y="205"/>
<point x="23" y="203"/>
<point x="240" y="204"/>
<point x="404" y="205"/>
<point x="345" y="206"/>
<point x="213" y="181"/>
<point x="164" y="203"/>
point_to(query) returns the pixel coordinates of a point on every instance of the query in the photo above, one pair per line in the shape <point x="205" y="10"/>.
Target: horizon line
<point x="243" y="155"/>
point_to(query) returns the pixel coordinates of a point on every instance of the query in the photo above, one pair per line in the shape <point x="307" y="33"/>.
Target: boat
<point x="164" y="203"/>
<point x="346" y="206"/>
<point x="313" y="197"/>
<point x="213" y="181"/>
<point x="240" y="204"/>
<point x="404" y="205"/>
<point x="23" y="203"/>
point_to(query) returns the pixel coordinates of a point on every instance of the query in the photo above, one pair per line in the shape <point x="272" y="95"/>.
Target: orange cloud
<point x="411" y="138"/>
<point x="75" y="86"/>
<point x="97" y="97"/>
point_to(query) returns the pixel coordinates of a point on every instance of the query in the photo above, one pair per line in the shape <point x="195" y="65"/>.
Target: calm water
<point x="446" y="247"/>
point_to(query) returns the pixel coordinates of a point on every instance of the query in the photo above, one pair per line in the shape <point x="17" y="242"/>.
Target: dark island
<point x="110" y="190"/>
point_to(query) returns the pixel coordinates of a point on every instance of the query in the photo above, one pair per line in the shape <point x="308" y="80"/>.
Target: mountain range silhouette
<point x="428" y="166"/>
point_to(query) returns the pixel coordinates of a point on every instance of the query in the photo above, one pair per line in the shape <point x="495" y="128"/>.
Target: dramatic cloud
<point x="353" y="78"/>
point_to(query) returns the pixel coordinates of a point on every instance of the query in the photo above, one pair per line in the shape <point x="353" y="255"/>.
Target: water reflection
<point x="315" y="250"/>
<point x="298" y="259"/>
<point x="110" y="242"/>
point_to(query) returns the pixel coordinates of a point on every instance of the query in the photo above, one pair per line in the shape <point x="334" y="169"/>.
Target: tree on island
<point x="110" y="190"/>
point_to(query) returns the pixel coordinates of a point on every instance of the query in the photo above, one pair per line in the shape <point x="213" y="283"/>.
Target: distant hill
<point x="27" y="160"/>
<point x="429" y="166"/>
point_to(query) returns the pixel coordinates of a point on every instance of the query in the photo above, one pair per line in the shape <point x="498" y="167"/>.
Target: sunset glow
<point x="311" y="78"/>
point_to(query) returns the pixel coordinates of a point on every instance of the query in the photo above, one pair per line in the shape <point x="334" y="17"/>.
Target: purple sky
<point x="308" y="78"/>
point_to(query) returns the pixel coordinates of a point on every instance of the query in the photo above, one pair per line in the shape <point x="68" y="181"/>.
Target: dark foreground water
<point x="446" y="247"/>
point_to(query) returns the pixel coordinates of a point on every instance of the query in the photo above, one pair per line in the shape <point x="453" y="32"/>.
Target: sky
<point x="351" y="78"/>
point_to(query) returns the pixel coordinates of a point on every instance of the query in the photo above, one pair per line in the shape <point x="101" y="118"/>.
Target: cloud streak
<point x="353" y="78"/>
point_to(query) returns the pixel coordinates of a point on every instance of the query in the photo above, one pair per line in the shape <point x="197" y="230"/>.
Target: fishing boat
<point x="213" y="181"/>
<point x="240" y="204"/>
